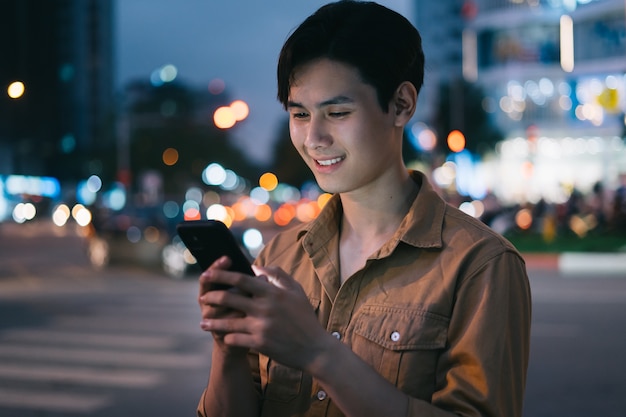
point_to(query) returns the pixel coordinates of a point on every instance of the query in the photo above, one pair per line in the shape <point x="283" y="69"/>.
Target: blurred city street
<point x="120" y="342"/>
<point x="125" y="341"/>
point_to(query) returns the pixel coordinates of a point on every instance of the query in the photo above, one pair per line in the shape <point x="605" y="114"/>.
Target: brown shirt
<point x="442" y="311"/>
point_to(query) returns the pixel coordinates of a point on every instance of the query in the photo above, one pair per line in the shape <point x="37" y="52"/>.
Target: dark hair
<point x="382" y="45"/>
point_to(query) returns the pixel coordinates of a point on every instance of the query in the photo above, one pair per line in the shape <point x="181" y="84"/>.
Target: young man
<point x="391" y="302"/>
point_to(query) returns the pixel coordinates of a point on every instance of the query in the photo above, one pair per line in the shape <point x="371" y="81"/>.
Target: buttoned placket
<point x="338" y="321"/>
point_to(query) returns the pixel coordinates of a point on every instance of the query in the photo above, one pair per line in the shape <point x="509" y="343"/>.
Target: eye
<point x="299" y="115"/>
<point x="338" y="114"/>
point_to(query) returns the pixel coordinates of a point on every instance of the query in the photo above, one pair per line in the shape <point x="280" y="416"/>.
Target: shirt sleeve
<point x="253" y="360"/>
<point x="482" y="371"/>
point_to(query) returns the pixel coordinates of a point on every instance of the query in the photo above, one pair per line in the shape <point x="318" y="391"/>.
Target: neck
<point x="370" y="214"/>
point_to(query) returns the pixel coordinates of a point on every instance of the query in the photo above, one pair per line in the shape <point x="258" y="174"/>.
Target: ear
<point x="404" y="102"/>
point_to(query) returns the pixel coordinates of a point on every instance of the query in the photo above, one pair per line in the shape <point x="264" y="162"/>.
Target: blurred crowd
<point x="601" y="211"/>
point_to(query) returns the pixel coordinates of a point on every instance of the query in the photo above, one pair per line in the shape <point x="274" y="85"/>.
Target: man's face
<point x="340" y="130"/>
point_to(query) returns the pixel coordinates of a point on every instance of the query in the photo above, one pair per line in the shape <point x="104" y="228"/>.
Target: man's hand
<point x="269" y="313"/>
<point x="209" y="311"/>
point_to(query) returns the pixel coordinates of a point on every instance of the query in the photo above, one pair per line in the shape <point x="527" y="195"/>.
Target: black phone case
<point x="207" y="240"/>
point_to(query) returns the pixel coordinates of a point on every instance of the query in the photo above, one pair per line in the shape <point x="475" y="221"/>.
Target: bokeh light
<point x="268" y="181"/>
<point x="224" y="117"/>
<point x="252" y="239"/>
<point x="151" y="234"/>
<point x="81" y="214"/>
<point x="240" y="109"/>
<point x="263" y="213"/>
<point x="456" y="141"/>
<point x="214" y="174"/>
<point x="259" y="195"/>
<point x="16" y="89"/>
<point x="61" y="215"/>
<point x="217" y="86"/>
<point x="170" y="156"/>
<point x="171" y="209"/>
<point x="524" y="219"/>
<point x="24" y="212"/>
<point x="284" y="214"/>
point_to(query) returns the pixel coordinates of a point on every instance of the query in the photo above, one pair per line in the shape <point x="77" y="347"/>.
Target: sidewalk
<point x="576" y="263"/>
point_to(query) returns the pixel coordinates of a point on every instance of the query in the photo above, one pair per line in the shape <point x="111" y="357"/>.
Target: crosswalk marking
<point x="84" y="376"/>
<point x="136" y="325"/>
<point x="82" y="360"/>
<point x="52" y="401"/>
<point x="103" y="357"/>
<point x="47" y="336"/>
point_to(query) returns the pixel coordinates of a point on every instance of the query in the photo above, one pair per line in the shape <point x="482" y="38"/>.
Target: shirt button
<point x="337" y="335"/>
<point x="321" y="395"/>
<point x="395" y="336"/>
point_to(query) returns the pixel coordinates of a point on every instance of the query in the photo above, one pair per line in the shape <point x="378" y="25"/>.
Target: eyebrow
<point x="331" y="101"/>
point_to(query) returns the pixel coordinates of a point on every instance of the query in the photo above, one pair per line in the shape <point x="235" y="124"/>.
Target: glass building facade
<point x="554" y="72"/>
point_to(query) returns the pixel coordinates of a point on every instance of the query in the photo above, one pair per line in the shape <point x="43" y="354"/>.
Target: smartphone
<point x="208" y="240"/>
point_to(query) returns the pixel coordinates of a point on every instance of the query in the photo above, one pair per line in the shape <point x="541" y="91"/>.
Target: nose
<point x="317" y="135"/>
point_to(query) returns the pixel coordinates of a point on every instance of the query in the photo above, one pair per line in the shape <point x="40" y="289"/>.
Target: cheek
<point x="296" y="135"/>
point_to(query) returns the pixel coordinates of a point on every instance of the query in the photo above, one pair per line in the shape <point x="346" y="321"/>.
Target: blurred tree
<point x="174" y="116"/>
<point x="460" y="107"/>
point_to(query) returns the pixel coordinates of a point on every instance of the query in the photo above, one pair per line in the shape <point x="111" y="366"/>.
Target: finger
<point x="222" y="263"/>
<point x="246" y="284"/>
<point x="219" y="302"/>
<point x="225" y="325"/>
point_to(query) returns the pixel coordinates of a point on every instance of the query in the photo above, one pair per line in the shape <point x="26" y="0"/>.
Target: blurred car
<point x="136" y="235"/>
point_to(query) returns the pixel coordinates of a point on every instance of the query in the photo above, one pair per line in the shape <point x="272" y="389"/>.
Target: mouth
<point x="329" y="162"/>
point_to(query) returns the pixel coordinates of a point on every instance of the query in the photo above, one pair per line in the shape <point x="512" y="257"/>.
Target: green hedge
<point x="533" y="242"/>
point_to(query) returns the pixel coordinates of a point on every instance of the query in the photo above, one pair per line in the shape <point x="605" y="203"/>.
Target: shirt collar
<point x="421" y="227"/>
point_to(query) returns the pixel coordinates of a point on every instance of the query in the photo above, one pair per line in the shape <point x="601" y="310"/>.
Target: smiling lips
<point x="329" y="162"/>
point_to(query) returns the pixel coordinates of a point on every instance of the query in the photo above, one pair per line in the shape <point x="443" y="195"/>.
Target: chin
<point x="329" y="186"/>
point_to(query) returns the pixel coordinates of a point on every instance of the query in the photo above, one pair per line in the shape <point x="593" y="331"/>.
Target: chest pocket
<point x="402" y="344"/>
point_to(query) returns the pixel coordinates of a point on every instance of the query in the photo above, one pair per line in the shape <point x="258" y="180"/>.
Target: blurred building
<point x="555" y="76"/>
<point x="59" y="118"/>
<point x="441" y="25"/>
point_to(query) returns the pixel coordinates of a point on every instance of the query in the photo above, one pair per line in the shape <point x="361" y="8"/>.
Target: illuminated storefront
<point x="555" y="77"/>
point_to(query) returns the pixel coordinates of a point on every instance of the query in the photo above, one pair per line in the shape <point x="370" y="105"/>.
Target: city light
<point x="61" y="215"/>
<point x="171" y="209"/>
<point x="224" y="117"/>
<point x="164" y="74"/>
<point x="470" y="55"/>
<point x="214" y="174"/>
<point x="456" y="141"/>
<point x="81" y="214"/>
<point x="253" y="239"/>
<point x="240" y="109"/>
<point x="567" y="43"/>
<point x="24" y="212"/>
<point x="422" y="137"/>
<point x="170" y="156"/>
<point x="268" y="181"/>
<point x="217" y="86"/>
<point x="16" y="89"/>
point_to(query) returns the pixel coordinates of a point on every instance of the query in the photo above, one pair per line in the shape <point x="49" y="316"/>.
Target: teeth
<point x="330" y="161"/>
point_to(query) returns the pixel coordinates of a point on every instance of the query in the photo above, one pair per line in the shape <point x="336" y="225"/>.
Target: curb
<point x="593" y="263"/>
<point x="579" y="263"/>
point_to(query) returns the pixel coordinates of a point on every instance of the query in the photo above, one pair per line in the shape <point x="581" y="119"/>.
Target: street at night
<point x="125" y="341"/>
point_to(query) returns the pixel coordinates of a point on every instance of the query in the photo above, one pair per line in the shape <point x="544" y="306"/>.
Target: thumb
<point x="274" y="275"/>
